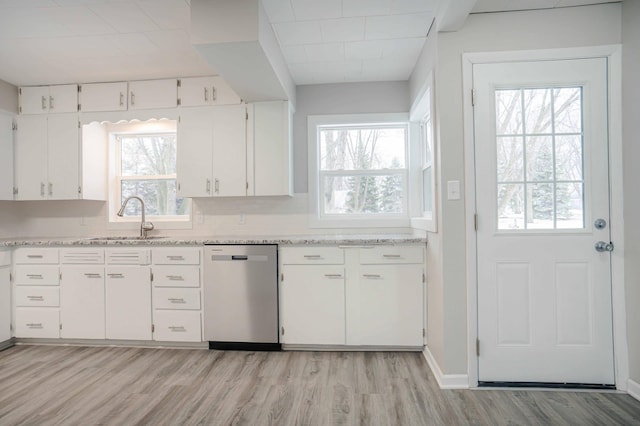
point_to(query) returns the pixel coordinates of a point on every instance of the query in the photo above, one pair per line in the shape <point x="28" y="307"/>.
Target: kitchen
<point x="248" y="217"/>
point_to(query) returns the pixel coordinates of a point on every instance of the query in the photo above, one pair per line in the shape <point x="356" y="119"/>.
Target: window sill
<point x="424" y="224"/>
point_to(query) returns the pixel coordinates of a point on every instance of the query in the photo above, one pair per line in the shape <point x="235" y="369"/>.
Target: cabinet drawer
<point x="177" y="326"/>
<point x="312" y="256"/>
<point x="37" y="275"/>
<point x="176" y="276"/>
<point x="391" y="254"/>
<point x="176" y="298"/>
<point x="35" y="255"/>
<point x="82" y="256"/>
<point x="176" y="256"/>
<point x="128" y="256"/>
<point x="38" y="322"/>
<point x="37" y="296"/>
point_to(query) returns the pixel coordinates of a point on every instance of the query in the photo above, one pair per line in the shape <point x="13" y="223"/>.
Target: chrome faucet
<point x="144" y="225"/>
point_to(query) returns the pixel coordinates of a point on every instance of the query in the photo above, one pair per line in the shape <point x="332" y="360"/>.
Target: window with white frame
<point x="144" y="164"/>
<point x="359" y="169"/>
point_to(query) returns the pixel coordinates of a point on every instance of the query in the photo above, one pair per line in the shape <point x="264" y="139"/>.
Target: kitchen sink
<point x="137" y="238"/>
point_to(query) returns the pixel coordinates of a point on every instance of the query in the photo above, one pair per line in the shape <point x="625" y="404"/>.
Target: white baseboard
<point x="633" y="389"/>
<point x="445" y="381"/>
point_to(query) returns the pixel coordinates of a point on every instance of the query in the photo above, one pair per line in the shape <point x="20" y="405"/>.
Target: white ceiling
<point x="323" y="41"/>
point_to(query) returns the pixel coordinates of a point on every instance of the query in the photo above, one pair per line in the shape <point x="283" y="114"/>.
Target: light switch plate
<point x="453" y="190"/>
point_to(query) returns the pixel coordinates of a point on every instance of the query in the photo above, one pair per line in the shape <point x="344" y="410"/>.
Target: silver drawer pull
<point x="93" y="275"/>
<point x="371" y="276"/>
<point x="34" y="325"/>
<point x="177" y="328"/>
<point x="312" y="256"/>
<point x="392" y="256"/>
<point x="175" y="277"/>
<point x="176" y="300"/>
<point x="35" y="298"/>
<point x="115" y="275"/>
<point x="176" y="257"/>
<point x="333" y="275"/>
<point x="34" y="276"/>
<point x="35" y="256"/>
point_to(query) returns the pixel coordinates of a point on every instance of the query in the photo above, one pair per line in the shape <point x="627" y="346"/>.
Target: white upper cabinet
<point x="150" y="94"/>
<point x="204" y="91"/>
<point x="50" y="163"/>
<point x="269" y="137"/>
<point x="212" y="152"/>
<point x="6" y="159"/>
<point x="96" y="97"/>
<point x="49" y="99"/>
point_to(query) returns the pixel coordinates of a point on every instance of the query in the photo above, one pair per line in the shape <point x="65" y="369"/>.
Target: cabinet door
<point x="34" y="100"/>
<point x="63" y="157"/>
<point x="38" y="322"/>
<point x="194" y="152"/>
<point x="63" y="98"/>
<point x="128" y="303"/>
<point x="386" y="307"/>
<point x="31" y="157"/>
<point x="6" y="159"/>
<point x="103" y="97"/>
<point x="153" y="94"/>
<point x="202" y="91"/>
<point x="177" y="326"/>
<point x="82" y="302"/>
<point x="271" y="143"/>
<point x="312" y="309"/>
<point x="5" y="304"/>
<point x="230" y="151"/>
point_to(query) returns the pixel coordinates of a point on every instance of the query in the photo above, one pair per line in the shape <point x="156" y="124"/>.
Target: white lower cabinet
<point x="177" y="304"/>
<point x="37" y="293"/>
<point x="5" y="296"/>
<point x="312" y="305"/>
<point x="82" y="302"/>
<point x="128" y="302"/>
<point x="366" y="296"/>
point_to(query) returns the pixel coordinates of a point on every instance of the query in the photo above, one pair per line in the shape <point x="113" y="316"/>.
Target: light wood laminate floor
<point x="69" y="385"/>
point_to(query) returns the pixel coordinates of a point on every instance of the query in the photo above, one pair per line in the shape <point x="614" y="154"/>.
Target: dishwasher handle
<point x="239" y="257"/>
<point x="242" y="257"/>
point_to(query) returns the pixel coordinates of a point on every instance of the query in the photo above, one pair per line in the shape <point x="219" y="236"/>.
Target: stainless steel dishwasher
<point x="241" y="297"/>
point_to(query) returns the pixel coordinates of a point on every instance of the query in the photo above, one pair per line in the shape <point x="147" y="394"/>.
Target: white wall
<point x="542" y="29"/>
<point x="631" y="149"/>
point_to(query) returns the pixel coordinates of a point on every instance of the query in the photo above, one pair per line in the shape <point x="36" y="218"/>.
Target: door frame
<point x="614" y="55"/>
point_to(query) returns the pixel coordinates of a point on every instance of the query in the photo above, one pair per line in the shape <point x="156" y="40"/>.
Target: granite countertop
<point x="196" y="241"/>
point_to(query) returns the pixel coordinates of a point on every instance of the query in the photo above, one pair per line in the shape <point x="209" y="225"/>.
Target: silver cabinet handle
<point x="36" y="298"/>
<point x="42" y="189"/>
<point x="391" y="256"/>
<point x="50" y="189"/>
<point x="44" y="103"/>
<point x="333" y="276"/>
<point x="34" y="276"/>
<point x="217" y="186"/>
<point x="371" y="276"/>
<point x="93" y="275"/>
<point x="175" y="257"/>
<point x="177" y="328"/>
<point x="176" y="300"/>
<point x="121" y="99"/>
<point x="213" y="93"/>
<point x="115" y="275"/>
<point x="175" y="277"/>
<point x="34" y="325"/>
<point x="133" y="98"/>
<point x="206" y="94"/>
<point x="208" y="186"/>
<point x="34" y="256"/>
<point x="312" y="256"/>
<point x="50" y="102"/>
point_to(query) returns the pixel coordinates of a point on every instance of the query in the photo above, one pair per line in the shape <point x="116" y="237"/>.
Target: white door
<point x="31" y="157"/>
<point x="195" y="152"/>
<point x="544" y="291"/>
<point x="229" y="151"/>
<point x="128" y="302"/>
<point x="82" y="302"/>
<point x="63" y="155"/>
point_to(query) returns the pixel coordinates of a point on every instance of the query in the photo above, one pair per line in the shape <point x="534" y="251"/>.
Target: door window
<point x="539" y="158"/>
